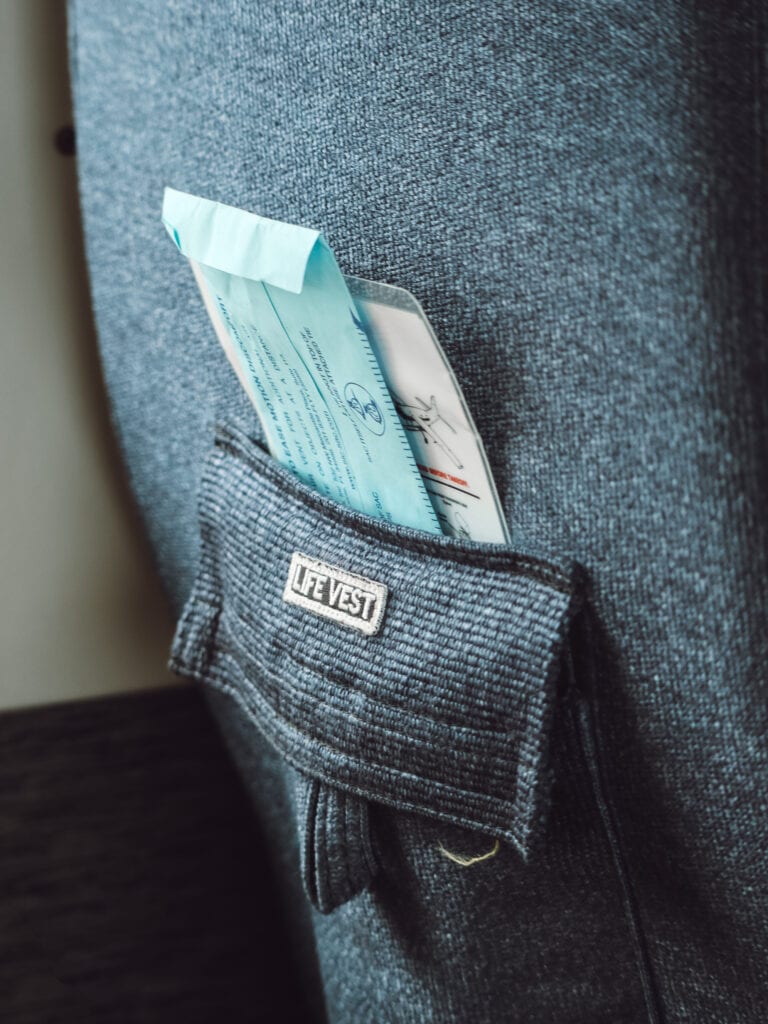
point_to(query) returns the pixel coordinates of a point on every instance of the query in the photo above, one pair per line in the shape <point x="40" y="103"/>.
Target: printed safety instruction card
<point x="449" y="453"/>
<point x="352" y="390"/>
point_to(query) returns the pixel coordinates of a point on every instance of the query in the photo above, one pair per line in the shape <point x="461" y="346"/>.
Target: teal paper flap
<point x="238" y="242"/>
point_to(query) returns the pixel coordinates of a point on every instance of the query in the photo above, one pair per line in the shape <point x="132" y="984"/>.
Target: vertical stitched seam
<point x="329" y="900"/>
<point x="309" y="815"/>
<point x="590" y="748"/>
<point x="349" y="851"/>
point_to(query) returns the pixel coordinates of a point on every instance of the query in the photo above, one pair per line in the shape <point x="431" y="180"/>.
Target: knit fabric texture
<point x="576" y="195"/>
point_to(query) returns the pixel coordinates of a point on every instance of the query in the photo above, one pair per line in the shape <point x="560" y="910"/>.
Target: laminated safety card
<point x="284" y="315"/>
<point x="427" y="396"/>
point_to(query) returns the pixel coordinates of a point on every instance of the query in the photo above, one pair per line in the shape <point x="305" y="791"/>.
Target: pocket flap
<point x="445" y="709"/>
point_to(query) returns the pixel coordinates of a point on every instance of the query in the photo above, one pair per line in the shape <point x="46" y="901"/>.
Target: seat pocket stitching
<point x="220" y="682"/>
<point x="384" y="730"/>
<point x="503" y="561"/>
<point x="230" y="640"/>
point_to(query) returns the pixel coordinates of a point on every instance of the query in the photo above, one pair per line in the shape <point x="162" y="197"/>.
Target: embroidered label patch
<point x="335" y="593"/>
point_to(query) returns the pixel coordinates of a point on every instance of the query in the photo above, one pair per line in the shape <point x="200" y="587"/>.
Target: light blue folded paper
<point x="284" y="315"/>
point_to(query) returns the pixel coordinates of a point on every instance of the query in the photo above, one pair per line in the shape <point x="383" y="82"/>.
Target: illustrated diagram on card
<point x="448" y="449"/>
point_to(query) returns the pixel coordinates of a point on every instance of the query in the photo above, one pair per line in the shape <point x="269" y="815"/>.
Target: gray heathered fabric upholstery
<point x="576" y="194"/>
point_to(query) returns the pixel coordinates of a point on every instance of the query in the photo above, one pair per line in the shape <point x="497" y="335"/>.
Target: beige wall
<point x="81" y="612"/>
